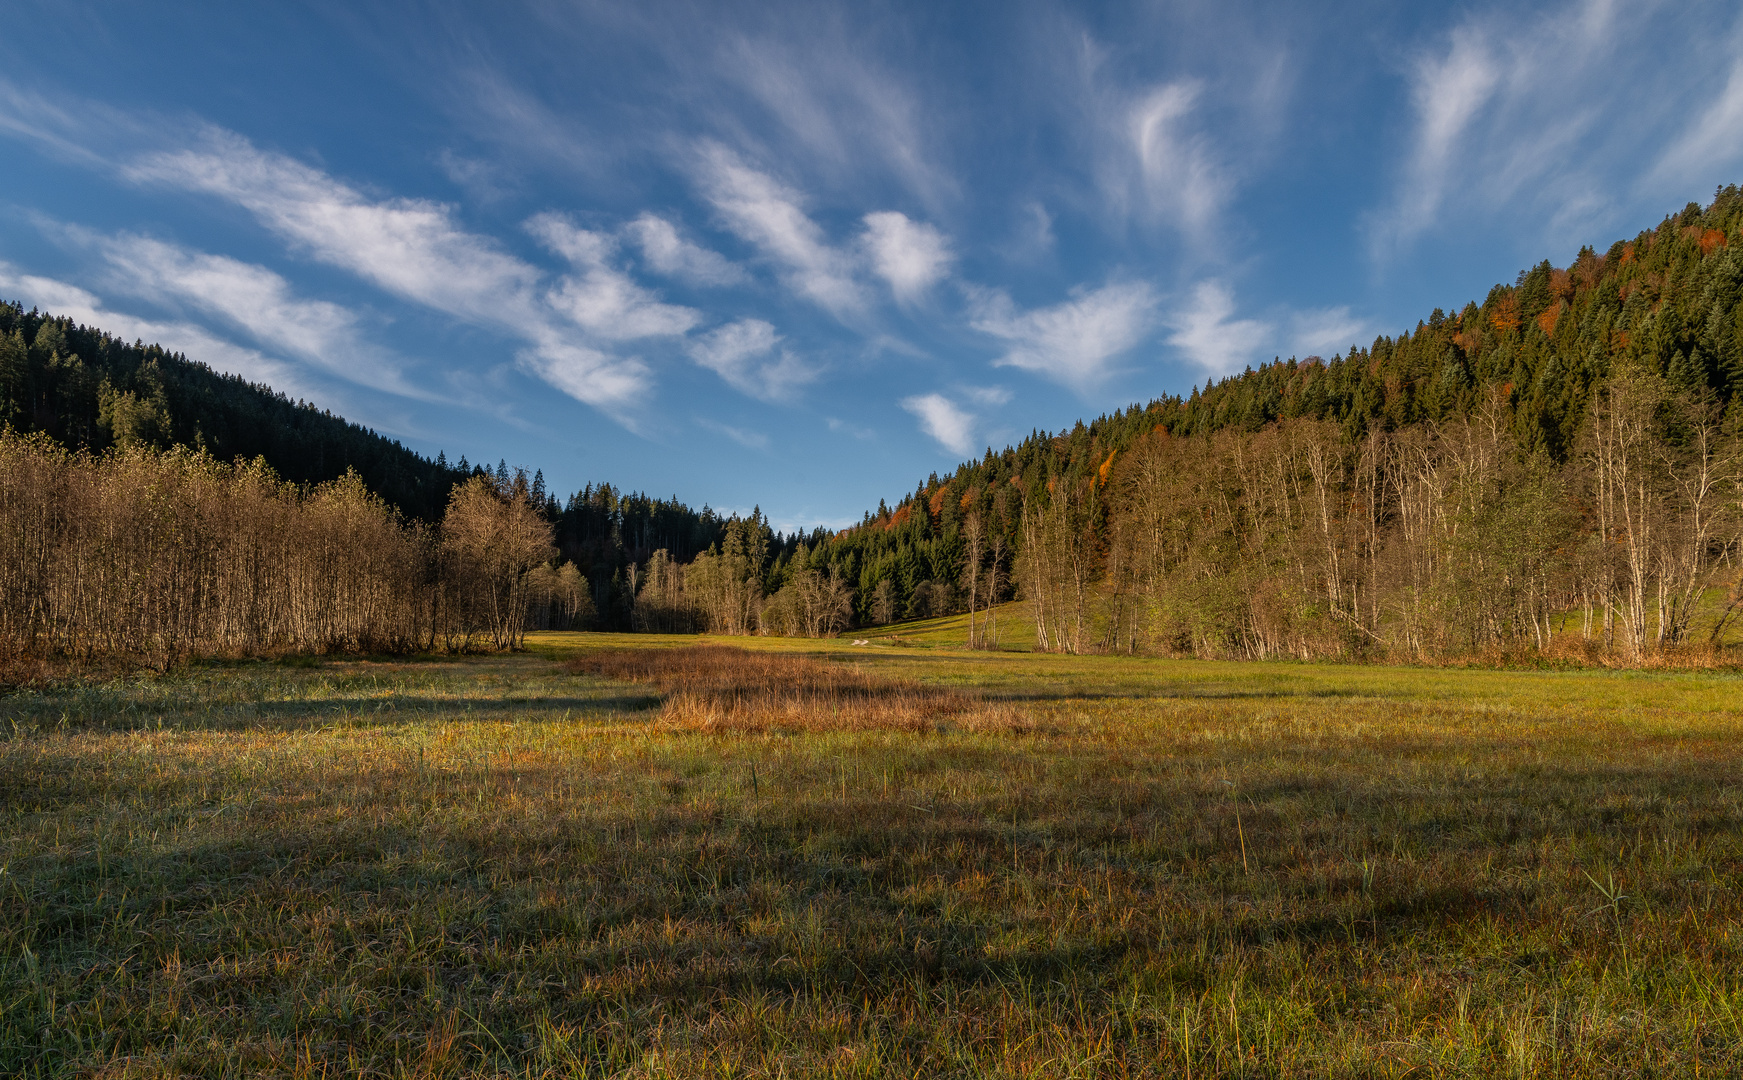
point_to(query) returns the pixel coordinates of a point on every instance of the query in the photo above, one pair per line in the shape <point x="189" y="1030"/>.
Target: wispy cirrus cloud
<point x="945" y="421"/>
<point x="1171" y="130"/>
<point x="1448" y="92"/>
<point x="1180" y="176"/>
<point x="667" y="252"/>
<point x="1713" y="139"/>
<point x="416" y="249"/>
<point x="1074" y="342"/>
<point x="768" y="215"/>
<point x="601" y="298"/>
<point x="194" y="341"/>
<point x="745" y="437"/>
<point x="257" y="301"/>
<point x="749" y="355"/>
<point x="1206" y="332"/>
<point x="837" y="107"/>
<point x="1555" y="119"/>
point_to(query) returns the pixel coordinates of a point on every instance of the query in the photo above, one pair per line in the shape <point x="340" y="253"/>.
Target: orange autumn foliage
<point x="1506" y="313"/>
<point x="1549" y="318"/>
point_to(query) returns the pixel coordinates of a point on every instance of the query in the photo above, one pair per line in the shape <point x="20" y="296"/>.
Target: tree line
<point x="161" y="554"/>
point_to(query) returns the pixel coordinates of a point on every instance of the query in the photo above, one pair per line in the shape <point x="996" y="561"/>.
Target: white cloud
<point x="482" y="179"/>
<point x="411" y="247"/>
<point x="586" y="373"/>
<point x="987" y="395"/>
<point x="602" y="299"/>
<point x="910" y="255"/>
<point x="838" y="424"/>
<point x="1204" y="331"/>
<point x="1712" y="140"/>
<point x="746" y="354"/>
<point x="66" y="128"/>
<point x="1327" y="330"/>
<point x="1040" y="239"/>
<point x="196" y="342"/>
<point x="582" y="247"/>
<point x="1557" y="125"/>
<point x="753" y="440"/>
<point x="941" y="418"/>
<point x="1072" y="342"/>
<point x="766" y="213"/>
<point x="668" y="253"/>
<point x="1181" y="178"/>
<point x="257" y="301"/>
<point x="415" y="249"/>
<point x="844" y="114"/>
<point x="1447" y="93"/>
<point x="1173" y="151"/>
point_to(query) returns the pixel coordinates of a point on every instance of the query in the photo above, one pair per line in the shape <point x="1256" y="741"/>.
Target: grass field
<point x="920" y="862"/>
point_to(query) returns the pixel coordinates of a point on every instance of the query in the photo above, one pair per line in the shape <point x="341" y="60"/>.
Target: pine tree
<point x="14" y="377"/>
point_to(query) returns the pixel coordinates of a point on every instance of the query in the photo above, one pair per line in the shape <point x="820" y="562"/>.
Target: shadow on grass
<point x="300" y="715"/>
<point x="632" y="901"/>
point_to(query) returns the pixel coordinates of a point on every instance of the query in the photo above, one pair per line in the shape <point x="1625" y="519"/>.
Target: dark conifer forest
<point x="1553" y="466"/>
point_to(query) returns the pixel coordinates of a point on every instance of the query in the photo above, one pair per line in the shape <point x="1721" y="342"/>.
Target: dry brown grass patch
<point x="725" y="688"/>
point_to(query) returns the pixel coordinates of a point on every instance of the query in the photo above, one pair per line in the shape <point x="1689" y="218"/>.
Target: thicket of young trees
<point x="161" y="554"/>
<point x="1442" y="539"/>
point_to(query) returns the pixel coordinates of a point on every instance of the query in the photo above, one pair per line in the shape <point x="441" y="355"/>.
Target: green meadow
<point x="1030" y="866"/>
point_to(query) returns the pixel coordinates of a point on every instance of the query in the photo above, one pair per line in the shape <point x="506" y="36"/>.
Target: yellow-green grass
<point x="1016" y="631"/>
<point x="490" y="867"/>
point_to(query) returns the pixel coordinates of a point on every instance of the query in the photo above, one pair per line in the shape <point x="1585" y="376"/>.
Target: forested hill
<point x="1665" y="302"/>
<point x="91" y="390"/>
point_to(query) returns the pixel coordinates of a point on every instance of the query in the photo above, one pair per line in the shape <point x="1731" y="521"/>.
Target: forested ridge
<point x="1517" y="419"/>
<point x="90" y="390"/>
<point x="1557" y="466"/>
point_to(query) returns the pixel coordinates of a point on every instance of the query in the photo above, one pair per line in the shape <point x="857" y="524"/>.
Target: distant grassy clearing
<point x="491" y="867"/>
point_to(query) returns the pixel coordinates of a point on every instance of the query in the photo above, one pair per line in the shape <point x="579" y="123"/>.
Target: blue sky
<point x="801" y="256"/>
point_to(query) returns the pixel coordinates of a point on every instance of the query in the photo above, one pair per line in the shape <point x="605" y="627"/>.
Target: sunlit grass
<point x="496" y="866"/>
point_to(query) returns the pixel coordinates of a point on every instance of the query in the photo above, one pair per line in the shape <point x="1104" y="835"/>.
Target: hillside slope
<point x="1665" y="303"/>
<point x="91" y="390"/>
